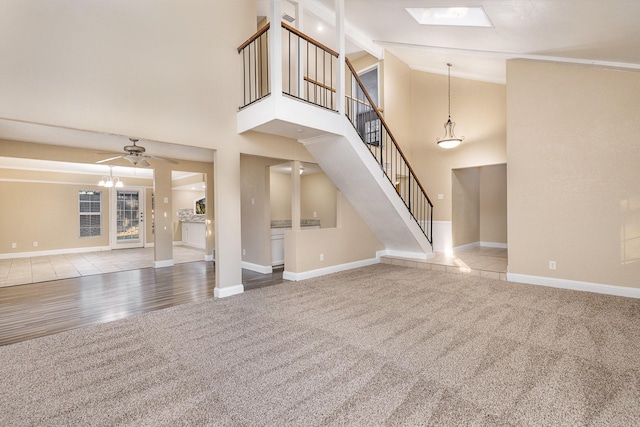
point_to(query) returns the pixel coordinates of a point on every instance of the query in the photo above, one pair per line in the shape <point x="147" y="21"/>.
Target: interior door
<point x="127" y="224"/>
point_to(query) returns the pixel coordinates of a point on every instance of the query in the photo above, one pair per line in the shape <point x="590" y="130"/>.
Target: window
<point x="370" y="81"/>
<point x="372" y="132"/>
<point x="90" y="210"/>
<point x="368" y="123"/>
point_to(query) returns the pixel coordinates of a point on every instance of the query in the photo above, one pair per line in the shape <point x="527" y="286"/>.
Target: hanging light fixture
<point x="110" y="181"/>
<point x="450" y="140"/>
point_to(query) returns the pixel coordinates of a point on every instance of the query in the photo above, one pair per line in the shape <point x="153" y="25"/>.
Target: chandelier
<point x="450" y="140"/>
<point x="110" y="181"/>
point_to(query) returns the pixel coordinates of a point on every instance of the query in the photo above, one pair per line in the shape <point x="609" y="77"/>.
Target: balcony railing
<point x="310" y="74"/>
<point x="255" y="67"/>
<point x="309" y="69"/>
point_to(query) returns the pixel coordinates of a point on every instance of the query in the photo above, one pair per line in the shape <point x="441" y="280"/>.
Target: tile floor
<point x="17" y="271"/>
<point x="477" y="261"/>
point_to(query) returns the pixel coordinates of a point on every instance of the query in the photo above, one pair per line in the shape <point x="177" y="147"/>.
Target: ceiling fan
<point x="137" y="156"/>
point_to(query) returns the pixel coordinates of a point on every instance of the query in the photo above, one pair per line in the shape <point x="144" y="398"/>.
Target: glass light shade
<point x="450" y="140"/>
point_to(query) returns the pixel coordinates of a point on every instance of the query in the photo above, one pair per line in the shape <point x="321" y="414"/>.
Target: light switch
<point x="166" y="200"/>
<point x="440" y="196"/>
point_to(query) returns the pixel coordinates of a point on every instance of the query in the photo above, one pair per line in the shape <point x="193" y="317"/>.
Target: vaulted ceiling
<point x="603" y="32"/>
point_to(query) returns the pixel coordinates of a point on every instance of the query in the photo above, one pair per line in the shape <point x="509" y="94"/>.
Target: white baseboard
<point x="599" y="288"/>
<point x="227" y="291"/>
<point x="482" y="245"/>
<point x="262" y="269"/>
<point x="496" y="245"/>
<point x="54" y="252"/>
<point x="288" y="275"/>
<point x="163" y="263"/>
<point x="408" y="255"/>
<point x="466" y="246"/>
<point x="209" y="257"/>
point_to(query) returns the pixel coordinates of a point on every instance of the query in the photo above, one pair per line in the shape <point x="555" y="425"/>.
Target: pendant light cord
<point x="449" y="65"/>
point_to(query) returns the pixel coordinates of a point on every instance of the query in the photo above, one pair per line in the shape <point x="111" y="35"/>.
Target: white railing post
<point x="340" y="93"/>
<point x="275" y="47"/>
<point x="300" y="51"/>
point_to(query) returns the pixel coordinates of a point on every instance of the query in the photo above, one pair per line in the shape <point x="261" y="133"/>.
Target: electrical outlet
<point x="35" y="244"/>
<point x="315" y="214"/>
<point x="321" y="257"/>
<point x="14" y="245"/>
<point x="552" y="265"/>
<point x="244" y="252"/>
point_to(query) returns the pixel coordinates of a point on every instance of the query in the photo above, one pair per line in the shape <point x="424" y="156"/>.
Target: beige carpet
<point x="382" y="345"/>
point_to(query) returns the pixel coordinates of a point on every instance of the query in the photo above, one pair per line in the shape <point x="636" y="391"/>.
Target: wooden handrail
<point x="317" y="83"/>
<point x="366" y="93"/>
<point x="255" y="36"/>
<point x="309" y="39"/>
<point x="360" y="101"/>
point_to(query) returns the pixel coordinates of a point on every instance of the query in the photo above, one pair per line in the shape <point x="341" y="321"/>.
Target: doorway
<point x="479" y="206"/>
<point x="127" y="218"/>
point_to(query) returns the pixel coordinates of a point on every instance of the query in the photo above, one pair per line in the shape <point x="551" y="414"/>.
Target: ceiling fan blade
<point x="164" y="159"/>
<point x="144" y="163"/>
<point x="109" y="159"/>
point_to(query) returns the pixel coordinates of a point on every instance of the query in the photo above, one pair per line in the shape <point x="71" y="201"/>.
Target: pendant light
<point x="110" y="181"/>
<point x="450" y="140"/>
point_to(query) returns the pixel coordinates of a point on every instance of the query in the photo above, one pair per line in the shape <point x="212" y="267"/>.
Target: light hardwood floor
<point x="37" y="309"/>
<point x="33" y="310"/>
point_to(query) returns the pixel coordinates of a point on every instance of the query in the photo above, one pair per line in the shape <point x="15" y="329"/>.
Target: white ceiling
<point x="603" y="32"/>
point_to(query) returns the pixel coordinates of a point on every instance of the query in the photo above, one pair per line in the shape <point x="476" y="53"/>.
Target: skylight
<point x="452" y="16"/>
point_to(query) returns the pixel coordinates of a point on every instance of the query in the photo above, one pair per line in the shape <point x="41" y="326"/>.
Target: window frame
<point x="90" y="214"/>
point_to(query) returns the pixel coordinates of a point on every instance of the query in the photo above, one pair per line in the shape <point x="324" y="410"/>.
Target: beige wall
<point x="573" y="174"/>
<point x="351" y="241"/>
<point x="256" y="209"/>
<point x="478" y="108"/>
<point x="466" y="206"/>
<point x="397" y="83"/>
<point x="318" y="194"/>
<point x="493" y="204"/>
<point x="26" y="216"/>
<point x="280" y="193"/>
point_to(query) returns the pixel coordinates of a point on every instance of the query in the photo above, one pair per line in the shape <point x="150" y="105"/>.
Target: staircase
<point x="292" y="92"/>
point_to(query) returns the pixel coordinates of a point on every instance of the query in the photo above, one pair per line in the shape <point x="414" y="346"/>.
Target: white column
<point x="275" y="47"/>
<point x="295" y="195"/>
<point x="341" y="50"/>
<point x="300" y="15"/>
<point x="163" y="212"/>
<point x="228" y="228"/>
<point x="301" y="50"/>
